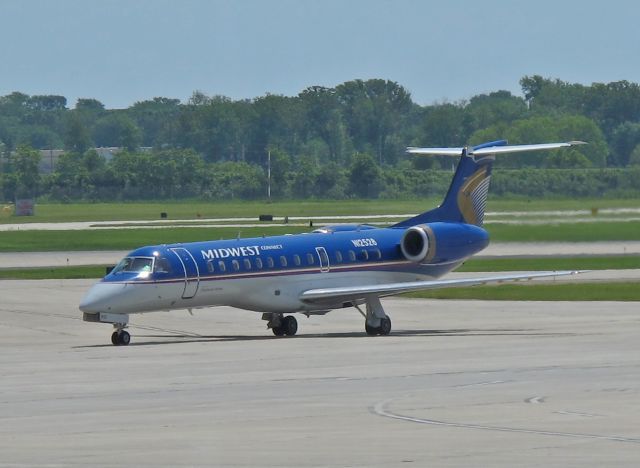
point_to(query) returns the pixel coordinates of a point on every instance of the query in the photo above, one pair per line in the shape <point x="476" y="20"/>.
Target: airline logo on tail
<point x="472" y="197"/>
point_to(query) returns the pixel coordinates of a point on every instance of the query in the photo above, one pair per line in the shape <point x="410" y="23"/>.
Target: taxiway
<point x="459" y="383"/>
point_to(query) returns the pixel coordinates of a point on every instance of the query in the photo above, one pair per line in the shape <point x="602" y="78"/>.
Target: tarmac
<point x="458" y="383"/>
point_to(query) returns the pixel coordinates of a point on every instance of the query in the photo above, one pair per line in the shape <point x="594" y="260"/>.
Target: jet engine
<point x="418" y="244"/>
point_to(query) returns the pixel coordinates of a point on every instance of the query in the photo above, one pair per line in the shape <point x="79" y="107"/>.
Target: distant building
<point x="49" y="159"/>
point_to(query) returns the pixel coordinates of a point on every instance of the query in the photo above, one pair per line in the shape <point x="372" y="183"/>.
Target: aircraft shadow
<point x="177" y="338"/>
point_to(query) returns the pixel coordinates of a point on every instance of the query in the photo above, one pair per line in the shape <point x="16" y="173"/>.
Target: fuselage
<point x="268" y="274"/>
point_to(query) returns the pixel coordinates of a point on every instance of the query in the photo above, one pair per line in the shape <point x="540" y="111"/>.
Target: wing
<point x="492" y="149"/>
<point x="358" y="292"/>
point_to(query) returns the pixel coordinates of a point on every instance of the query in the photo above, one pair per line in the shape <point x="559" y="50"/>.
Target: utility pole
<point x="269" y="176"/>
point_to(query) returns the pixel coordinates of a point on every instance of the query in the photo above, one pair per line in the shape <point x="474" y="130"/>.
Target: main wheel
<point x="114" y="338"/>
<point x="278" y="331"/>
<point x="371" y="331"/>
<point x="385" y="326"/>
<point x="290" y="325"/>
<point x="124" y="338"/>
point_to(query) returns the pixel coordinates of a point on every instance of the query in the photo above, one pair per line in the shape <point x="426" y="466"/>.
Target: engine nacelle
<point x="418" y="244"/>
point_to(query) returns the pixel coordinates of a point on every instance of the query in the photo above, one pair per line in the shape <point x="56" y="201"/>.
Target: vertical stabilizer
<point x="466" y="198"/>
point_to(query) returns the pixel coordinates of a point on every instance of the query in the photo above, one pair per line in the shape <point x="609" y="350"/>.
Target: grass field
<point x="540" y="292"/>
<point x="618" y="262"/>
<point x="126" y="239"/>
<point x="70" y="272"/>
<point x="191" y="210"/>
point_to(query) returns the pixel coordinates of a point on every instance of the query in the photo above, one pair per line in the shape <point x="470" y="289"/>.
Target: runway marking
<point x="576" y="413"/>
<point x="536" y="400"/>
<point x="479" y="384"/>
<point x="380" y="409"/>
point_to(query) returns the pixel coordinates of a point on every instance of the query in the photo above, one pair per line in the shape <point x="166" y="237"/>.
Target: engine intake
<point x="418" y="244"/>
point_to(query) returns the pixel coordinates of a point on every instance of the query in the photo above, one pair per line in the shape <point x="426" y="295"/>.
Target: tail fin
<point x="467" y="195"/>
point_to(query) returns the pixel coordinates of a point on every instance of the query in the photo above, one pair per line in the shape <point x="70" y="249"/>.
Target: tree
<point x="116" y="129"/>
<point x="625" y="138"/>
<point x="324" y="119"/>
<point x="23" y="166"/>
<point x="76" y="136"/>
<point x="365" y="177"/>
<point x="373" y="110"/>
<point x="634" y="158"/>
<point x="155" y="119"/>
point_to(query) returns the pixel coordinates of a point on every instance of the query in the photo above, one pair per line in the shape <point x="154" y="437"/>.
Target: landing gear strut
<point x="281" y="325"/>
<point x="376" y="321"/>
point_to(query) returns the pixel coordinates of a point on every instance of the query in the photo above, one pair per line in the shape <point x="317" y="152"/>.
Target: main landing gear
<point x="376" y="321"/>
<point x="281" y="325"/>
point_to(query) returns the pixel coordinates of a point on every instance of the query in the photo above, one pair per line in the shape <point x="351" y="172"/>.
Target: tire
<point x="114" y="339"/>
<point x="385" y="326"/>
<point x="290" y="325"/>
<point x="124" y="338"/>
<point x="278" y="331"/>
<point x="371" y="331"/>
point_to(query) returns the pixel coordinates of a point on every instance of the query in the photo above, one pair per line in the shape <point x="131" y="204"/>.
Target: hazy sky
<point x="122" y="51"/>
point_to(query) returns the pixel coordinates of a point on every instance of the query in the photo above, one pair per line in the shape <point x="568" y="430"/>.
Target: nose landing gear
<point x="120" y="338"/>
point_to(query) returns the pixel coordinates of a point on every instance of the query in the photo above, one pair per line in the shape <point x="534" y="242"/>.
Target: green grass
<point x="125" y="239"/>
<point x="191" y="209"/>
<point x="618" y="262"/>
<point x="71" y="272"/>
<point x="578" y="232"/>
<point x="539" y="292"/>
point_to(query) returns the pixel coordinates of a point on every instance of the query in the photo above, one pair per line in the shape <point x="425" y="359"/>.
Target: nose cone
<point x="102" y="297"/>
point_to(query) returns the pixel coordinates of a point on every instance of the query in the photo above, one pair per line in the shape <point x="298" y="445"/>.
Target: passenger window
<point x="352" y="255"/>
<point x="283" y="261"/>
<point x="236" y="265"/>
<point x="364" y="255"/>
<point x="247" y="264"/>
<point x="270" y="262"/>
<point x="210" y="266"/>
<point x="311" y="259"/>
<point x="338" y="256"/>
<point x="221" y="266"/>
<point x="376" y="254"/>
<point x="296" y="260"/>
<point x="259" y="263"/>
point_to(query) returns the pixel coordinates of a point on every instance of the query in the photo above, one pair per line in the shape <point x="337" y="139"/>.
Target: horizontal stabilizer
<point x="492" y="149"/>
<point x="360" y="292"/>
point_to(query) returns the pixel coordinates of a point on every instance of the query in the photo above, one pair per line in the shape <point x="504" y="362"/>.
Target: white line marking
<point x="478" y="384"/>
<point x="535" y="400"/>
<point x="381" y="410"/>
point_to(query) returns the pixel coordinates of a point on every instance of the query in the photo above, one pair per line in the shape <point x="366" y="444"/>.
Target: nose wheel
<point x="120" y="338"/>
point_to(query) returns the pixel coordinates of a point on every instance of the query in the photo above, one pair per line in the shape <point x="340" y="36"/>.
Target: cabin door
<point x="324" y="259"/>
<point x="191" y="272"/>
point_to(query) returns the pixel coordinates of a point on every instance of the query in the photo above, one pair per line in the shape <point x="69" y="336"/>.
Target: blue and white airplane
<point x="313" y="273"/>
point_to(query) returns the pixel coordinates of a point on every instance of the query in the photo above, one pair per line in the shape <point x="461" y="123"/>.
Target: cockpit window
<point x="134" y="265"/>
<point x="162" y="265"/>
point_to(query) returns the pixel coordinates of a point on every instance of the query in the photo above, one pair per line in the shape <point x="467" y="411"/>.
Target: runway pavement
<point x="459" y="383"/>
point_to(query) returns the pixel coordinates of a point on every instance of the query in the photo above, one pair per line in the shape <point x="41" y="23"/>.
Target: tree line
<point x="346" y="141"/>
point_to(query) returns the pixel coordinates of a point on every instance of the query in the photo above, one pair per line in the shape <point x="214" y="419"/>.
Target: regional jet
<point x="334" y="267"/>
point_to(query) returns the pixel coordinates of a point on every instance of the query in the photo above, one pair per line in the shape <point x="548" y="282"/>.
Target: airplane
<point x="333" y="267"/>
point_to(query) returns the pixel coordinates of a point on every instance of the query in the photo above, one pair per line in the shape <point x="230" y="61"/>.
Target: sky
<point x="123" y="51"/>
